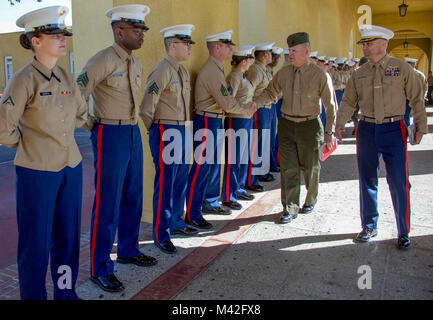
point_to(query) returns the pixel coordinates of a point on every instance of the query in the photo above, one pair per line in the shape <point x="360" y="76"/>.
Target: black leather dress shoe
<point x="108" y="283"/>
<point x="167" y="247"/>
<point x="256" y="188"/>
<point x="218" y="210"/>
<point x="199" y="223"/>
<point x="403" y="242"/>
<point x="277" y="169"/>
<point x="366" y="234"/>
<point x="140" y="260"/>
<point x="187" y="231"/>
<point x="233" y="205"/>
<point x="267" y="178"/>
<point x="307" y="209"/>
<point x="287" y="217"/>
<point x="246" y="196"/>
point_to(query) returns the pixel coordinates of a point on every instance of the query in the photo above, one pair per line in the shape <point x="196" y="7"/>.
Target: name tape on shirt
<point x="44" y="94"/>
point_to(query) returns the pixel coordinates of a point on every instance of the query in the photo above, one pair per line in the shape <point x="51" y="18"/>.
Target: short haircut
<point x="211" y="45"/>
<point x="114" y="26"/>
<point x="167" y="42"/>
<point x="259" y="54"/>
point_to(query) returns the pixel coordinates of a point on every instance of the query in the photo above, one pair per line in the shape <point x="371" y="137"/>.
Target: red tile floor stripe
<point x="175" y="279"/>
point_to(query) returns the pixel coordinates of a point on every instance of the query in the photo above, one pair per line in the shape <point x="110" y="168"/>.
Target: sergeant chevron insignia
<point x="230" y="90"/>
<point x="83" y="80"/>
<point x="153" y="89"/>
<point x="224" y="91"/>
<point x="10" y="101"/>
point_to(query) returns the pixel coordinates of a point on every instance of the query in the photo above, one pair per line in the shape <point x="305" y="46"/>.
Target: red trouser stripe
<point x="404" y="136"/>
<point x="197" y="169"/>
<point x="161" y="180"/>
<point x="254" y="149"/>
<point x="229" y="157"/>
<point x="98" y="193"/>
<point x="278" y="156"/>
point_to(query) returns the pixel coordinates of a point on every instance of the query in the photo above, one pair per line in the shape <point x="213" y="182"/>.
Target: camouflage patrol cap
<point x="297" y="38"/>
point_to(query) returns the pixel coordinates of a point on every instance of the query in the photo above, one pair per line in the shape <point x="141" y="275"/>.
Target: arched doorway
<point x="412" y="44"/>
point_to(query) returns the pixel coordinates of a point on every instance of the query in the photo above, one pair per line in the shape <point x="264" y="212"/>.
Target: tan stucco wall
<point x="10" y="46"/>
<point x="418" y="21"/>
<point x="92" y="31"/>
<point x="328" y="22"/>
<point x="417" y="49"/>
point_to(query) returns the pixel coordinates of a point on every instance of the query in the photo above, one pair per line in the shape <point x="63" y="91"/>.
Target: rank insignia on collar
<point x="224" y="91"/>
<point x="153" y="89"/>
<point x="10" y="101"/>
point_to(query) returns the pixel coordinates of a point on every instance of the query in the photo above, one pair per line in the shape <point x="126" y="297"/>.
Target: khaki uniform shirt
<point x="114" y="79"/>
<point x="211" y="92"/>
<point x="423" y="80"/>
<point x="242" y="89"/>
<point x="167" y="94"/>
<point x="260" y="76"/>
<point x="338" y="80"/>
<point x="315" y="88"/>
<point x="39" y="112"/>
<point x="430" y="81"/>
<point x="399" y="83"/>
<point x="346" y="76"/>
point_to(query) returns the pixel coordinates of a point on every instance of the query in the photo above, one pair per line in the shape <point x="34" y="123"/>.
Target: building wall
<point x="418" y="21"/>
<point x="92" y="30"/>
<point x="328" y="23"/>
<point x="417" y="49"/>
<point x="10" y="46"/>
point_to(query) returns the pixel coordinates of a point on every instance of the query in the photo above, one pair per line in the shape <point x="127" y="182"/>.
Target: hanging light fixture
<point x="402" y="9"/>
<point x="405" y="44"/>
